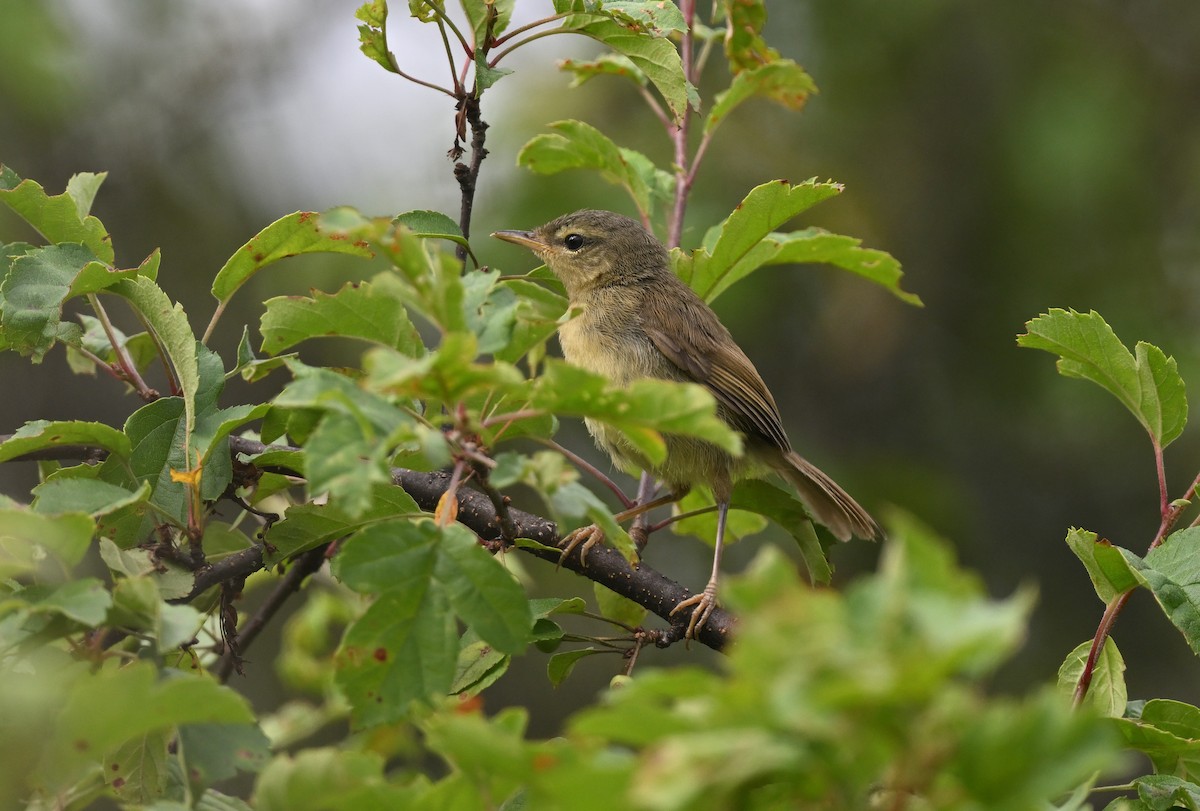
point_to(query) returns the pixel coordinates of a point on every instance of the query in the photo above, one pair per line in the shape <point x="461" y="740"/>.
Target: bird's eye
<point x="573" y="242"/>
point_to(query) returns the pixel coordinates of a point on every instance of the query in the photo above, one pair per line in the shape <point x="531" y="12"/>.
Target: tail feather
<point x="829" y="503"/>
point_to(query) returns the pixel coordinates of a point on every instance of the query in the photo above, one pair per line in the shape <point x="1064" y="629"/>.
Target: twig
<point x="591" y="470"/>
<point x="467" y="176"/>
<point x="304" y="565"/>
<point x="683" y="178"/>
<point x="124" y="362"/>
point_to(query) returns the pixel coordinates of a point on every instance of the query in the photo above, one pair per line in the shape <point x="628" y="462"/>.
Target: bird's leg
<point x="591" y="535"/>
<point x="706" y="601"/>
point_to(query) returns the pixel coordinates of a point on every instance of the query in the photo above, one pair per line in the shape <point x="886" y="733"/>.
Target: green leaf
<point x="1107" y="694"/>
<point x="26" y="537"/>
<point x="63" y="217"/>
<point x="40" y="434"/>
<point x="37" y="285"/>
<point x="1163" y="792"/>
<point x="372" y="36"/>
<point x="1110" y="572"/>
<point x="1147" y="382"/>
<point x="576" y="145"/>
<point x="170" y="324"/>
<point x="85" y="601"/>
<point x="746" y="240"/>
<point x="1167" y="732"/>
<point x="654" y="56"/>
<point x="482" y="591"/>
<point x="115" y="705"/>
<point x="787" y="511"/>
<point x="781" y="81"/>
<point x="347" y="461"/>
<point x="427" y="224"/>
<point x="479" y="666"/>
<point x="643" y="411"/>
<point x="297" y="233"/>
<point x="1172" y="572"/>
<point x="481" y="12"/>
<point x="93" y="496"/>
<point x="355" y="311"/>
<point x="604" y="65"/>
<point x="219" y="751"/>
<point x="617" y="608"/>
<point x="448" y="374"/>
<point x="305" y="526"/>
<point x="317" y="779"/>
<point x="744" y="46"/>
<point x="561" y="664"/>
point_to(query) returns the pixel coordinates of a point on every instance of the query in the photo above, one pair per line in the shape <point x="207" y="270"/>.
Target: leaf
<point x="781" y="81"/>
<point x="1110" y="572"/>
<point x="62" y="218"/>
<point x="346" y="460"/>
<point x="654" y="56"/>
<point x="219" y="751"/>
<point x="1146" y="382"/>
<point x="1167" y="732"/>
<point x="26" y="537"/>
<point x="1107" y="694"/>
<point x="605" y="65"/>
<point x="617" y="608"/>
<point x="41" y="434"/>
<point x="92" y="496"/>
<point x="561" y="664"/>
<point x="85" y="601"/>
<point x="1163" y="792"/>
<point x="432" y="225"/>
<point x="297" y="233"/>
<point x="116" y="705"/>
<point x="642" y="411"/>
<point x="170" y="324"/>
<point x="576" y="145"/>
<point x="482" y="591"/>
<point x="372" y="35"/>
<point x="788" y="512"/>
<point x="37" y="285"/>
<point x="480" y="12"/>
<point x="305" y="526"/>
<point x="355" y="311"/>
<point x="744" y="46"/>
<point x="1172" y="572"/>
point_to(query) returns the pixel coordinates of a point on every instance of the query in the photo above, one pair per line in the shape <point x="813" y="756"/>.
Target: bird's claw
<point x="588" y="536"/>
<point x="702" y="606"/>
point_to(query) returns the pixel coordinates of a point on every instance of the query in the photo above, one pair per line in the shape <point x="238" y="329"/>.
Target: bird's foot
<point x="588" y="536"/>
<point x="702" y="605"/>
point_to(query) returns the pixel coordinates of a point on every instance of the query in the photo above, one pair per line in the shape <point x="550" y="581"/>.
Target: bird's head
<point x="593" y="248"/>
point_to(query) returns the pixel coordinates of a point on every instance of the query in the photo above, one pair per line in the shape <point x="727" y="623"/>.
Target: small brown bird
<point x="637" y="320"/>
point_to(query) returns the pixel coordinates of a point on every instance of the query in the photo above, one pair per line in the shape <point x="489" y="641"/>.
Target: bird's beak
<point x="524" y="238"/>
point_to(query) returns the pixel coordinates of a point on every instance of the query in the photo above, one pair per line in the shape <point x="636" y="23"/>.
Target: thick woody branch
<point x="642" y="584"/>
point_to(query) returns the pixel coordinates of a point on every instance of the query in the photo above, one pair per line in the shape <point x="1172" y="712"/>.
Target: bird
<point x="636" y="319"/>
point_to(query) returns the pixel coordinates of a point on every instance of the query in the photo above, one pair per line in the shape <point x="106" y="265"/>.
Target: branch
<point x="468" y="175"/>
<point x="642" y="584"/>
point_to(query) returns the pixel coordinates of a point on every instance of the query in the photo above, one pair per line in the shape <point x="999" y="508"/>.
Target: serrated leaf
<point x="1146" y="382"/>
<point x="744" y="46"/>
<point x="781" y="81"/>
<point x="305" y="526"/>
<point x="39" y="434"/>
<point x="355" y="311"/>
<point x="576" y="145"/>
<point x="170" y="324"/>
<point x="295" y="234"/>
<point x="1172" y="572"/>
<point x="346" y="460"/>
<point x="482" y="12"/>
<point x="642" y="411"/>
<point x="61" y="218"/>
<point x="37" y="285"/>
<point x="1107" y="694"/>
<point x="372" y="35"/>
<point x="604" y="65"/>
<point x="1110" y="573"/>
<point x="482" y="591"/>
<point x="654" y="56"/>
<point x="1167" y="732"/>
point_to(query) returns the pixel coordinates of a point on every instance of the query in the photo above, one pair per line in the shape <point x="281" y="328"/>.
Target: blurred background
<point x="1014" y="156"/>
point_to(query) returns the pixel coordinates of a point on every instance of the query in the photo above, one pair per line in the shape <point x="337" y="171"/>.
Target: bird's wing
<point x="705" y="354"/>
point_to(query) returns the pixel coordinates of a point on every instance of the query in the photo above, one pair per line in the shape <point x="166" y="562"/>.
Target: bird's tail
<point x="828" y="503"/>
